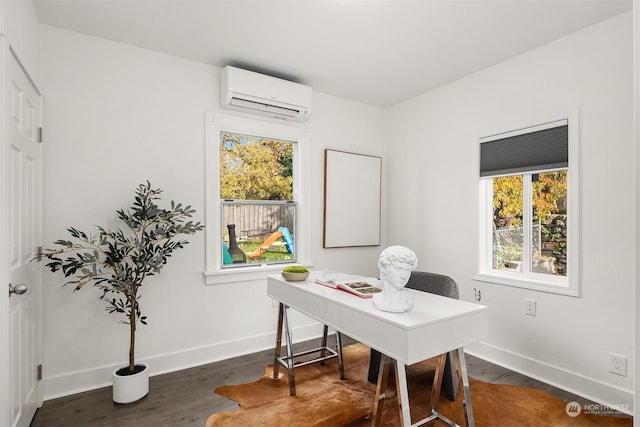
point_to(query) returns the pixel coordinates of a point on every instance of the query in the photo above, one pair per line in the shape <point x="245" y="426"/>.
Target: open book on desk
<point x="363" y="287"/>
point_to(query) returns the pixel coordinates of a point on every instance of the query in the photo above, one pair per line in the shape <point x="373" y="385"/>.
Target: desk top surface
<point x="427" y="309"/>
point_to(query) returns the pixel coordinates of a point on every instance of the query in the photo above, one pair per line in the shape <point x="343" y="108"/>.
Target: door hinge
<point x="40" y="135"/>
<point x="39" y="253"/>
<point x="39" y="372"/>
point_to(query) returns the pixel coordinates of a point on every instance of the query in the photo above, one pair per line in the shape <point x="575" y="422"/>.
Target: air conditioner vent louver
<point x="255" y="93"/>
<point x="260" y="106"/>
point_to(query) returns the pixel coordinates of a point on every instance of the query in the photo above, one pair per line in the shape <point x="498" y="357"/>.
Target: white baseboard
<point x="91" y="379"/>
<point x="595" y="390"/>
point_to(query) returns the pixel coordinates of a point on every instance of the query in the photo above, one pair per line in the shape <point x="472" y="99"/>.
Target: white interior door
<point x="22" y="172"/>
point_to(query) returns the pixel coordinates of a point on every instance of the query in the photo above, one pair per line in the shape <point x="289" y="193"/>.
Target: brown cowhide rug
<point x="324" y="400"/>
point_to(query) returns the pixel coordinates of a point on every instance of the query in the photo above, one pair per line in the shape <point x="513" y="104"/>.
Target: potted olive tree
<point x="118" y="262"/>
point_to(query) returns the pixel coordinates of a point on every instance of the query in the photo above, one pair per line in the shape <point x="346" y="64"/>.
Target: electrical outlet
<point x="618" y="364"/>
<point x="530" y="307"/>
<point x="478" y="294"/>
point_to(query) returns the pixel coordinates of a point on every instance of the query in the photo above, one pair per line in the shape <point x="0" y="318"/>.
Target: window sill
<point x="244" y="274"/>
<point x="529" y="283"/>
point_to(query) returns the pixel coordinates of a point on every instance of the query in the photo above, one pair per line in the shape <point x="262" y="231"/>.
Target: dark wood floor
<point x="186" y="398"/>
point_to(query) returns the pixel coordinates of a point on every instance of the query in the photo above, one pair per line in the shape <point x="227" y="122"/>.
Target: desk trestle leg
<point x="437" y="382"/>
<point x="403" y="392"/>
<point x="278" y="349"/>
<point x="468" y="410"/>
<point x="324" y="349"/>
<point x="381" y="389"/>
<point x="288" y="361"/>
<point x="465" y="384"/>
<point x="323" y="346"/>
<point x="339" y="351"/>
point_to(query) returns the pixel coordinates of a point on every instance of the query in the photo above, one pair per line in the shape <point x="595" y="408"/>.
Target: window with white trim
<point x="255" y="197"/>
<point x="528" y="217"/>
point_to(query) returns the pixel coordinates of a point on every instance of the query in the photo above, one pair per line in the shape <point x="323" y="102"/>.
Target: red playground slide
<point x="265" y="245"/>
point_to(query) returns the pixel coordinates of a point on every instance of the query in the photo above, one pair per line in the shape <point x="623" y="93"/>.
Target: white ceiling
<point x="378" y="52"/>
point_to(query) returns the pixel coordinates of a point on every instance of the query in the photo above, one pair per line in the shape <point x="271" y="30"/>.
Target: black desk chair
<point x="440" y="285"/>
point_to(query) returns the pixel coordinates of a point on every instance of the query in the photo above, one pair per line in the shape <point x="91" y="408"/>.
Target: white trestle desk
<point x="433" y="327"/>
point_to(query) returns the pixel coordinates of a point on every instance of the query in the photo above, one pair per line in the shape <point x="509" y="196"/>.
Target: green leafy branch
<point x="118" y="261"/>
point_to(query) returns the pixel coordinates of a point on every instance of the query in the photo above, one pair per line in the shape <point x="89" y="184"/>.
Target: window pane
<point x="258" y="233"/>
<point x="256" y="186"/>
<point x="255" y="168"/>
<point x="507" y="223"/>
<point x="549" y="223"/>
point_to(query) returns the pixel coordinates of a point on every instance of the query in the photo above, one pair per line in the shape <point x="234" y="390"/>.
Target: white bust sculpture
<point x="395" y="264"/>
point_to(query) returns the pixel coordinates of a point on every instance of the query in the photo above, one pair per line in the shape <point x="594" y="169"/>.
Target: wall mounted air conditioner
<point x="255" y="93"/>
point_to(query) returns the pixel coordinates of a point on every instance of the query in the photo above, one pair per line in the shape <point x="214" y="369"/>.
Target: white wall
<point x="115" y="116"/>
<point x="435" y="202"/>
<point x="20" y="24"/>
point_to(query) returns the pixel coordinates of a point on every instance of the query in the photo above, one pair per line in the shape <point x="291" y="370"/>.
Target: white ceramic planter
<point x="130" y="388"/>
